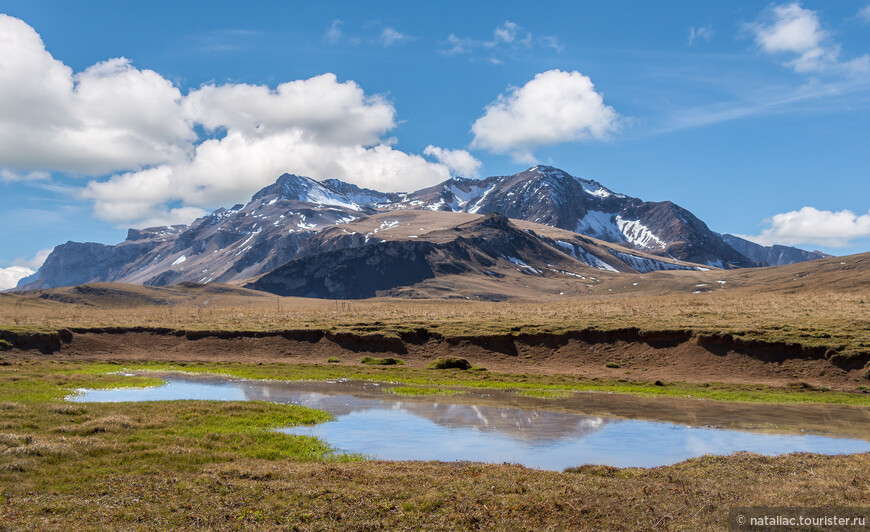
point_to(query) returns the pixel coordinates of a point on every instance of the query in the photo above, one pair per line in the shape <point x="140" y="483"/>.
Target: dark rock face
<point x="771" y="255"/>
<point x="351" y="273"/>
<point x="278" y="224"/>
<point x="350" y="268"/>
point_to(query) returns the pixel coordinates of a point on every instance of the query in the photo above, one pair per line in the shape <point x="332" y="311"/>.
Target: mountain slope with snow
<point x="276" y="226"/>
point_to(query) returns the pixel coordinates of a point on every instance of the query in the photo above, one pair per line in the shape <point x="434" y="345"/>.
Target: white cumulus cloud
<point x="111" y="116"/>
<point x="554" y="107"/>
<point x="21" y="268"/>
<point x="812" y="226"/>
<point x="795" y="31"/>
<point x="134" y="133"/>
<point x="231" y="169"/>
<point x="320" y="108"/>
<point x="864" y="13"/>
<point x="10" y="276"/>
<point x="458" y="161"/>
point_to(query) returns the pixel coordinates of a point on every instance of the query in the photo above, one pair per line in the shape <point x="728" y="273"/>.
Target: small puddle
<point x="498" y="426"/>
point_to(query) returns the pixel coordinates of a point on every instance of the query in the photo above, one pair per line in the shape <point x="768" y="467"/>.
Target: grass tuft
<point x="450" y="363"/>
<point x="68" y="410"/>
<point x="388" y="361"/>
<point x="40" y="449"/>
<point x="595" y="470"/>
<point x="14" y="440"/>
<point x="112" y="423"/>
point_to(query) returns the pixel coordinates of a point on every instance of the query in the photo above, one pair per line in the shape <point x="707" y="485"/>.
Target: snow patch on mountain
<point x="600" y="225"/>
<point x="639" y="234"/>
<point x="462" y="196"/>
<point x="476" y="207"/>
<point x="584" y="256"/>
<point x="646" y="265"/>
<point x="523" y="267"/>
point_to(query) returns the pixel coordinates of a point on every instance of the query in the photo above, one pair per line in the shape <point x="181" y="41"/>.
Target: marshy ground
<point x="194" y="464"/>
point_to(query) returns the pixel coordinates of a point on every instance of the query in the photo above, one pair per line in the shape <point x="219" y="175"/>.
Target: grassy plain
<point x="836" y="319"/>
<point x="194" y="464"/>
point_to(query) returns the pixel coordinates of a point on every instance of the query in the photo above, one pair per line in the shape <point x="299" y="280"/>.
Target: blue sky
<point x="753" y="115"/>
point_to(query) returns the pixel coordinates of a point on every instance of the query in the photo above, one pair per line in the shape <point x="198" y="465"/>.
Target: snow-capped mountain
<point x="550" y="196"/>
<point x="229" y="244"/>
<point x="415" y="253"/>
<point x="278" y="224"/>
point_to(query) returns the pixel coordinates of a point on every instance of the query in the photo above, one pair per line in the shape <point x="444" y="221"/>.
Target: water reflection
<point x="480" y="427"/>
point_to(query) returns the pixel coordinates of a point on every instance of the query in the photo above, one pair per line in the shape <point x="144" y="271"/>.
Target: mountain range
<point x="330" y="238"/>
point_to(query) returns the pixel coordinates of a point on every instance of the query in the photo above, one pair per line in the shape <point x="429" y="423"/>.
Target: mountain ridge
<point x="275" y="227"/>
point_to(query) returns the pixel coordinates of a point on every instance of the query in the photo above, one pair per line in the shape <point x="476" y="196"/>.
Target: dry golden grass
<point x="831" y="318"/>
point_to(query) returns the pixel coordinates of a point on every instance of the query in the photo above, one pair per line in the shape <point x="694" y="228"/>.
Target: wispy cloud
<point x="768" y="101"/>
<point x="508" y="40"/>
<point x="227" y="40"/>
<point x="34" y="262"/>
<point x="373" y="33"/>
<point x="390" y="36"/>
<point x="336" y="35"/>
<point x="703" y="33"/>
<point x="797" y="36"/>
<point x="8" y="176"/>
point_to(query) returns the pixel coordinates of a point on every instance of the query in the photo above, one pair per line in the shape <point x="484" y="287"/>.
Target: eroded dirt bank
<point x="641" y="355"/>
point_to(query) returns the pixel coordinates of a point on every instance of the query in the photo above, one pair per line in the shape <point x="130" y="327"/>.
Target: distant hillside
<point x="771" y="255"/>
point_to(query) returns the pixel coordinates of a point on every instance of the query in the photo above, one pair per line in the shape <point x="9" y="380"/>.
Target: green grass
<point x="613" y="365"/>
<point x="220" y="465"/>
<point x="24" y="384"/>
<point x="449" y="363"/>
<point x="31" y="400"/>
<point x="755" y="393"/>
<point x="388" y="361"/>
<point x="416" y="391"/>
<point x="545" y="394"/>
<point x="333" y="360"/>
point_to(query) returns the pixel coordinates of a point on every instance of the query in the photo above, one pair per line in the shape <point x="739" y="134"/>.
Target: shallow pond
<point x="496" y="426"/>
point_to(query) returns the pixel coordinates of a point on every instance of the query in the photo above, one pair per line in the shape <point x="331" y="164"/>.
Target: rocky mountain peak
<point x="292" y="187"/>
<point x="493" y="220"/>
